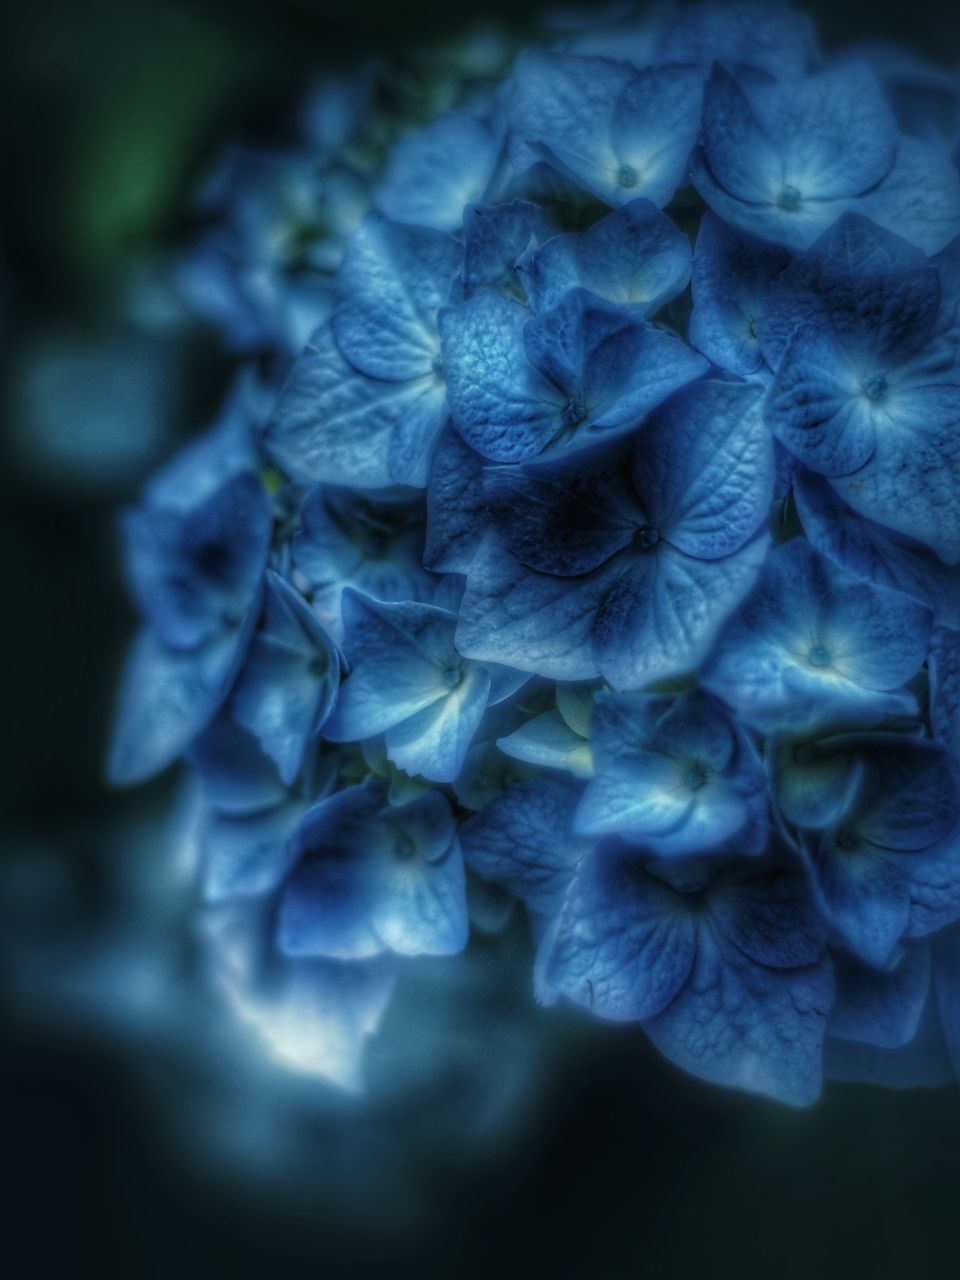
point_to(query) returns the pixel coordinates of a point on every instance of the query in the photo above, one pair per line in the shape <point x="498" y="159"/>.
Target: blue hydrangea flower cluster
<point x="601" y="544"/>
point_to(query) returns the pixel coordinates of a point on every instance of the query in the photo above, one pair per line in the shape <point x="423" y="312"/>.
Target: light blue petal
<point x="548" y="740"/>
<point x="656" y="121"/>
<point x="431" y="174"/>
<point x="911" y="483"/>
<point x="333" y="425"/>
<point x="820" y="405"/>
<point x="290" y="679"/>
<point x="635" y="257"/>
<point x="168" y="696"/>
<point x="384" y="692"/>
<point x="433" y="742"/>
<point x="562" y="105"/>
<point x="612" y="367"/>
<point x="375" y="880"/>
<point x="650" y="799"/>
<point x="392" y="282"/>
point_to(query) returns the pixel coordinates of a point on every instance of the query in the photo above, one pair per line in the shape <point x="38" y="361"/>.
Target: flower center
<point x="695" y="777"/>
<point x="627" y="176"/>
<point x="875" y="386"/>
<point x="789" y="198"/>
<point x="646" y="537"/>
<point x="319" y="666"/>
<point x="818" y="656"/>
<point x="574" y="412"/>
<point x="453" y="673"/>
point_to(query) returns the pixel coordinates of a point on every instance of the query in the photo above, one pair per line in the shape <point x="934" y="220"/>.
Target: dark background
<point x="621" y="1166"/>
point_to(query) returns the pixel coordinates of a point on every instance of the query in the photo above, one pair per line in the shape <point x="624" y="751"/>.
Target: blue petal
<point x="673" y="776"/>
<point x="399" y="655"/>
<point x="815" y="782"/>
<point x="769" y="36"/>
<point x="290" y="679"/>
<point x="646" y="800"/>
<point x="392" y="282"/>
<point x="347" y="539"/>
<point x="333" y="425"/>
<point x="456" y="510"/>
<point x="704" y="469"/>
<point x="523" y="839"/>
<point x="501" y="406"/>
<point x="778" y="160"/>
<point x="634" y="257"/>
<point x="739" y="1024"/>
<point x="944" y="663"/>
<point x="923" y="1063"/>
<point x="877" y="1007"/>
<point x="872" y="553"/>
<point x="770" y="916"/>
<point x="401" y="888"/>
<point x="731" y="277"/>
<point x="566" y="517"/>
<point x="912" y="798"/>
<point x="431" y="174"/>
<point x="874" y="290"/>
<point x="195" y="572"/>
<point x="377" y="630"/>
<point x="238" y="776"/>
<point x="612" y="368"/>
<point x="529" y="620"/>
<point x="662" y="615"/>
<point x="625" y="943"/>
<point x="919" y="198"/>
<point x="497" y="238"/>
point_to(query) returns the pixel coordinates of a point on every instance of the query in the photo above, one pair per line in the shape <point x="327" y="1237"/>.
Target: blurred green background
<point x="112" y="109"/>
